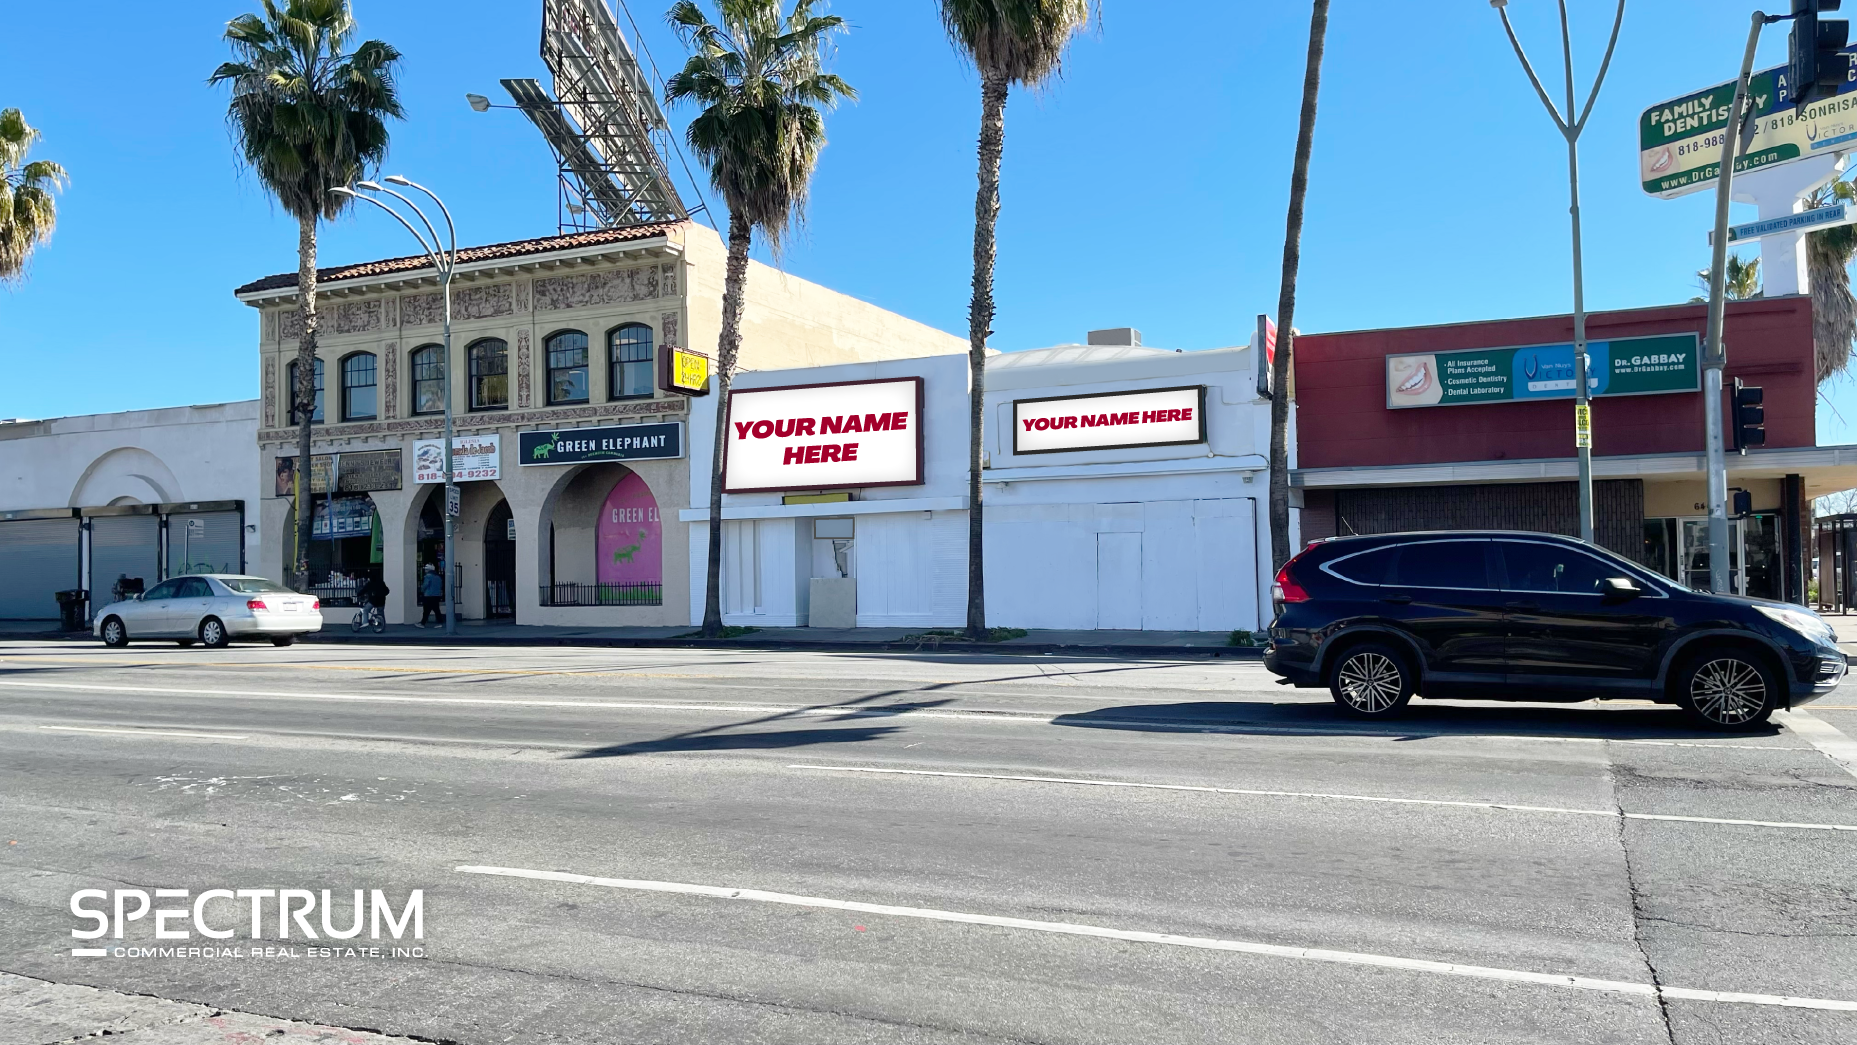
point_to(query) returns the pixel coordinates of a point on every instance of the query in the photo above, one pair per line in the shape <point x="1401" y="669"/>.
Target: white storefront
<point x="143" y="494"/>
<point x="1125" y="488"/>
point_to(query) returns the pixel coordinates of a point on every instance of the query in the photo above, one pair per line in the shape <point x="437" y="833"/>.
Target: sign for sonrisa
<point x="1113" y="420"/>
<point x="825" y="437"/>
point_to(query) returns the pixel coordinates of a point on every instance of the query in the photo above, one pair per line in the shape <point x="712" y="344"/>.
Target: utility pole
<point x="1570" y="129"/>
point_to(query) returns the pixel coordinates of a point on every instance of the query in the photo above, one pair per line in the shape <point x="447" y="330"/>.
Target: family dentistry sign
<point x="1680" y="141"/>
<point x="825" y="437"/>
<point x="1622" y="366"/>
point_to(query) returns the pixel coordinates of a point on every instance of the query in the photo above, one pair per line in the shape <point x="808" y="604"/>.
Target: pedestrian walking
<point x="431" y="594"/>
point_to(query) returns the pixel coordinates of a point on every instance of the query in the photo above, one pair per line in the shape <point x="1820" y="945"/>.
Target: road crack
<point x="1638" y="914"/>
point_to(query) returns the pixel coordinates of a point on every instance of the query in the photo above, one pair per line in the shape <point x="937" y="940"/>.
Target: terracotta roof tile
<point x="466" y="255"/>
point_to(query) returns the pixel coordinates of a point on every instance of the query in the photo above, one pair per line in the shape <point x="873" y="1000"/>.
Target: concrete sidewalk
<point x="36" y="1011"/>
<point x="337" y="630"/>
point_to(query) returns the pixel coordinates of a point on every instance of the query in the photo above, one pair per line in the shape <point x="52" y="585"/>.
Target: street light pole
<point x="1570" y="129"/>
<point x="444" y="260"/>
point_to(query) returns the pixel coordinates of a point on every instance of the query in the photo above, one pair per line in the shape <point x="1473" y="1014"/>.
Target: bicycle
<point x="368" y="616"/>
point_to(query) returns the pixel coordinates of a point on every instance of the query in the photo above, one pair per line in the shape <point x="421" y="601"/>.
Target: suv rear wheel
<point x="1372" y="681"/>
<point x="1729" y="690"/>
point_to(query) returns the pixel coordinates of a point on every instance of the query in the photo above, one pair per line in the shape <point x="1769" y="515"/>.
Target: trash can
<point x="71" y="609"/>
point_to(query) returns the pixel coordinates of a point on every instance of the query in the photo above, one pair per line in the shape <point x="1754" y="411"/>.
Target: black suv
<point x="1529" y="616"/>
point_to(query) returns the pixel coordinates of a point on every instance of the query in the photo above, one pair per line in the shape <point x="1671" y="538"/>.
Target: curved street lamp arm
<point x="430" y="250"/>
<point x="1530" y="70"/>
<point x="438" y="248"/>
<point x="446" y="211"/>
<point x="1604" y="65"/>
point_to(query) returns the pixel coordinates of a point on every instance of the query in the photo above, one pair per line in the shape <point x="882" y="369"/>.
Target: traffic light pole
<point x="1715" y="353"/>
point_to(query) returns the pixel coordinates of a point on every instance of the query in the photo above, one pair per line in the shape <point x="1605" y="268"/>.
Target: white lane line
<point x="90" y="952"/>
<point x="1505" y="806"/>
<point x="1824" y="736"/>
<point x="1205" y="943"/>
<point x="892" y="711"/>
<point x="147" y="732"/>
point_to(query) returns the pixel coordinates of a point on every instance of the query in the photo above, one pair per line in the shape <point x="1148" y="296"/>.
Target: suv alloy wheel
<point x="1727" y="691"/>
<point x="1372" y="681"/>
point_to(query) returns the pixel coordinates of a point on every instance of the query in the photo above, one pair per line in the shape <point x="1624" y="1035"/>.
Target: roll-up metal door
<point x="204" y="542"/>
<point x="38" y="557"/>
<point x="123" y="546"/>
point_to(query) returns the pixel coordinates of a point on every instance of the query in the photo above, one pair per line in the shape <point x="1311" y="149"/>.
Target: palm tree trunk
<point x="993" y="90"/>
<point x="1286" y="300"/>
<point x="305" y="393"/>
<point x="741" y="236"/>
<point x="1834" y="312"/>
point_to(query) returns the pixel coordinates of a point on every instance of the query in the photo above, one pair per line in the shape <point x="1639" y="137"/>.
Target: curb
<point x="964" y="648"/>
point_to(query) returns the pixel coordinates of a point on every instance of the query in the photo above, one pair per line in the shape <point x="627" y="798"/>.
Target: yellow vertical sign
<point x="689" y="371"/>
<point x="1582" y="425"/>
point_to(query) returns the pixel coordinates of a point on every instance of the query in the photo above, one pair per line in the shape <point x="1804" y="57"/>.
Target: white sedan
<point x="212" y="609"/>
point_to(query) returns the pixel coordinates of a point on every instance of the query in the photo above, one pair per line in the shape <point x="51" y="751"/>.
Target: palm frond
<point x="28" y="209"/>
<point x="1018" y="41"/>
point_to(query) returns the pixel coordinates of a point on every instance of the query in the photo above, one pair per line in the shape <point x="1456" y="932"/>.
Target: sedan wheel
<point x="213" y="633"/>
<point x="1371" y="681"/>
<point x="1731" y="691"/>
<point x="114" y="634"/>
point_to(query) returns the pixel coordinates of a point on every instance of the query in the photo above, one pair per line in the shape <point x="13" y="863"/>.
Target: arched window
<point x="489" y="374"/>
<point x="290" y="394"/>
<point x="630" y="361"/>
<point x="567" y="367"/>
<point x="428" y="369"/>
<point x="360" y="393"/>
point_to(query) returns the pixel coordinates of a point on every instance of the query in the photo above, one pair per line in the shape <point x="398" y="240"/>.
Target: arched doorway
<point x="629" y="545"/>
<point x="500" y="563"/>
<point x="345" y="548"/>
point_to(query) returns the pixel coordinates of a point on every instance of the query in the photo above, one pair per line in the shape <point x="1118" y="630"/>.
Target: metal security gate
<point x="123" y="546"/>
<point x="205" y="542"/>
<point x="38" y="557"/>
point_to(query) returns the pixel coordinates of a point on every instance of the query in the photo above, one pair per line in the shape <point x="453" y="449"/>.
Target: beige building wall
<point x="671" y="283"/>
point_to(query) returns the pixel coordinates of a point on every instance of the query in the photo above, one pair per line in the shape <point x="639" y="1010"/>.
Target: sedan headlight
<point x="1805" y="622"/>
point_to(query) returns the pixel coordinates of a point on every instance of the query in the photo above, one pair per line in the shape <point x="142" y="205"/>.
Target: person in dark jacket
<point x="375" y="592"/>
<point x="431" y="595"/>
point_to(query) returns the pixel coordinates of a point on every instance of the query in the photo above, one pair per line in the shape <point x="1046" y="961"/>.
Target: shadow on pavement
<point x="743" y="741"/>
<point x="1421" y="721"/>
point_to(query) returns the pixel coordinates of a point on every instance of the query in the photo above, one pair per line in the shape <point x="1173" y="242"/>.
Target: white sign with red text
<point x="814" y="437"/>
<point x="473" y="457"/>
<point x="1153" y="417"/>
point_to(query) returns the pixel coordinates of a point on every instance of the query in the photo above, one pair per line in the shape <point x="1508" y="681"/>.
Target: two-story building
<point x="565" y="446"/>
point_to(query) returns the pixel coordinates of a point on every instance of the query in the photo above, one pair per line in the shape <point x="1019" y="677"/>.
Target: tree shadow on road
<point x="1421" y="721"/>
<point x="772" y="740"/>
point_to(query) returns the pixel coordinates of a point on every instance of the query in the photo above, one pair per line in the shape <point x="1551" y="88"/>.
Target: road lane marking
<point x="90" y="952"/>
<point x="1824" y="736"/>
<point x="1503" y="806"/>
<point x="1169" y="939"/>
<point x="148" y="732"/>
<point x="895" y="710"/>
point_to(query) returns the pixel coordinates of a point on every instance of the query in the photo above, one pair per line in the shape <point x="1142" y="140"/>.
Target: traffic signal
<point x="1818" y="65"/>
<point x="1743" y="504"/>
<point x="1750" y="418"/>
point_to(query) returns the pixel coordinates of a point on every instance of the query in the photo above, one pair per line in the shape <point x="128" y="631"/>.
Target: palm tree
<point x="1828" y="257"/>
<point x="1286" y="297"/>
<point x="759" y="76"/>
<point x="1010" y="42"/>
<point x="1741" y="281"/>
<point x="309" y="116"/>
<point x="27" y="212"/>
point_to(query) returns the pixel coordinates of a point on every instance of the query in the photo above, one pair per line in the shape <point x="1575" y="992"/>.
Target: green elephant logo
<point x="624" y="555"/>
<point x="542" y="451"/>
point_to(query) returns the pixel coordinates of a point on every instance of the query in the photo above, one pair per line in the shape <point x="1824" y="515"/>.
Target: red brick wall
<point x="1342" y="419"/>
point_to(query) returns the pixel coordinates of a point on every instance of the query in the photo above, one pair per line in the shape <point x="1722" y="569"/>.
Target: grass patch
<point x="1247" y="638"/>
<point x="946" y="635"/>
<point x="730" y="631"/>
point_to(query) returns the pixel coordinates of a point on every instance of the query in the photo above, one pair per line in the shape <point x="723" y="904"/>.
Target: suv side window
<point x="1368" y="567"/>
<point x="1444" y="564"/>
<point x="1552" y="568"/>
<point x="164" y="590"/>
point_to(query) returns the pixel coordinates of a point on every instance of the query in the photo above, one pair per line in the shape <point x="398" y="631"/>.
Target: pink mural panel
<point x="630" y="541"/>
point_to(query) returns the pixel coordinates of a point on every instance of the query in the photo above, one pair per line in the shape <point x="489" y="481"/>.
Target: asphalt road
<point x="742" y="847"/>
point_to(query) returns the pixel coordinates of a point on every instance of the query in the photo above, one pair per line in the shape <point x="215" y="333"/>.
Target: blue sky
<point x="1146" y="187"/>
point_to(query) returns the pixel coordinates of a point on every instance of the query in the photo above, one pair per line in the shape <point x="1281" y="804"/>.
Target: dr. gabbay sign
<point x="472" y="457"/>
<point x="1618" y="367"/>
<point x="825" y="437"/>
<point x="1150" y="417"/>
